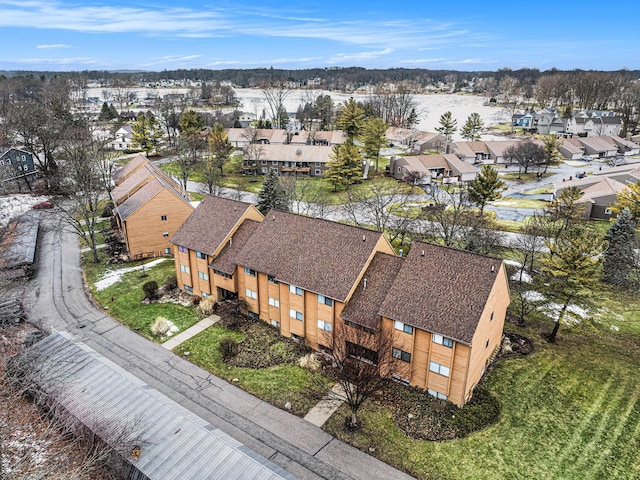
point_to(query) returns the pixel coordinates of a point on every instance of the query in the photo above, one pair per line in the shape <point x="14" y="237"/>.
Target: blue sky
<point x="447" y="34"/>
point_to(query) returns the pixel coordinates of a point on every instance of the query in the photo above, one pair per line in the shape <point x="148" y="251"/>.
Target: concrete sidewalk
<point x="190" y="332"/>
<point x="326" y="407"/>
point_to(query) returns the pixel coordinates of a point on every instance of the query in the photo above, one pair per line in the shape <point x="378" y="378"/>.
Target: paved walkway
<point x="99" y="247"/>
<point x="190" y="332"/>
<point x="326" y="407"/>
<point x="55" y="297"/>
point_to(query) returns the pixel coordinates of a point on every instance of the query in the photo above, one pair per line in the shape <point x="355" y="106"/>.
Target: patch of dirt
<point x="515" y="345"/>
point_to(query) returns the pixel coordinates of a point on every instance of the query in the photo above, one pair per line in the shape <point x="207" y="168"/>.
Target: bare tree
<point x="395" y="105"/>
<point x="275" y="93"/>
<point x="360" y="363"/>
<point x="528" y="245"/>
<point x="511" y="90"/>
<point x="447" y="215"/>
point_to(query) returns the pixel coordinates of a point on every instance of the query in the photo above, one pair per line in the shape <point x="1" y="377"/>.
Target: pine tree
<point x="106" y="113"/>
<point x="551" y="154"/>
<point x="373" y="137"/>
<point x="448" y="127"/>
<point x="570" y="268"/>
<point x="351" y="118"/>
<point x="619" y="255"/>
<point x="146" y="132"/>
<point x="473" y="126"/>
<point x="345" y="165"/>
<point x="272" y="194"/>
<point x="486" y="187"/>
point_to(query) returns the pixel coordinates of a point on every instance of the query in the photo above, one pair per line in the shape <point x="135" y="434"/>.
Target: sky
<point x="68" y="35"/>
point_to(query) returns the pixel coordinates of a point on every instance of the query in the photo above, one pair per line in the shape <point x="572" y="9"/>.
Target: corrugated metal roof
<point x="174" y="442"/>
<point x="19" y="246"/>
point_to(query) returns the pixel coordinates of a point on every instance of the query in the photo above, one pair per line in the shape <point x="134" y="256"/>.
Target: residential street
<point x="55" y="298"/>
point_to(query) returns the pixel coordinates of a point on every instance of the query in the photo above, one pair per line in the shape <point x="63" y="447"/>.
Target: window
<point x="163" y="218"/>
<point x="398" y="378"/>
<point x="167" y="250"/>
<point x="184" y="268"/>
<point x="487" y="344"/>
<point x="403" y="327"/>
<point x="182" y="249"/>
<point x="203" y="276"/>
<point x="250" y="272"/>
<point x="294" y="289"/>
<point x="362" y="353"/>
<point x="201" y="255"/>
<point x="295" y="337"/>
<point x="359" y="327"/>
<point x="250" y="293"/>
<point x="205" y="294"/>
<point x="491" y="317"/>
<point x="439" y="395"/>
<point x="318" y="164"/>
<point x="263" y="162"/>
<point x="272" y="279"/>
<point x="275" y="323"/>
<point x="318" y="172"/>
<point x="295" y="314"/>
<point x="274" y="302"/>
<point x="326" y="326"/>
<point x="325" y="300"/>
<point x="165" y="234"/>
<point x="188" y="288"/>
<point x="447" y="342"/>
<point x="222" y="274"/>
<point x="607" y="211"/>
<point x="274" y="162"/>
<point x="437" y="368"/>
<point x="401" y="355"/>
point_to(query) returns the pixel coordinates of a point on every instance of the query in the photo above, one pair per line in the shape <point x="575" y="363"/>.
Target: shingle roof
<point x="129" y="168"/>
<point x="318" y="255"/>
<point x="144" y="194"/>
<point x="598" y="144"/>
<point x="138" y="178"/>
<point x="174" y="442"/>
<point x="296" y="153"/>
<point x="365" y="303"/>
<point x="209" y="224"/>
<point x="225" y="261"/>
<point x="444" y="291"/>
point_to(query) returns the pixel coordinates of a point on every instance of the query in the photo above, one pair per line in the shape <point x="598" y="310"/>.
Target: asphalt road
<point x="56" y="298"/>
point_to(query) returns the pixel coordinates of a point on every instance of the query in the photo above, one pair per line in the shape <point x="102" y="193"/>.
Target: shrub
<point x="171" y="283"/>
<point x="206" y="307"/>
<point x="160" y="327"/>
<point x="228" y="348"/>
<point x="107" y="211"/>
<point x="150" y="290"/>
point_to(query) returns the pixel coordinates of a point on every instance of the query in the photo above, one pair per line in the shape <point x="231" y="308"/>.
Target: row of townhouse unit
<point x="149" y="208"/>
<point x="311" y="278"/>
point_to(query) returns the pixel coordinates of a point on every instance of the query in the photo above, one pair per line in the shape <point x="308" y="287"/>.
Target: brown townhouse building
<point x="443" y="308"/>
<point x="149" y="208"/>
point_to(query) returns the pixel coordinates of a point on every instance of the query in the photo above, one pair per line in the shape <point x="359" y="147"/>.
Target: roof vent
<point x="298" y="151"/>
<point x="231" y="241"/>
<point x="493" y="268"/>
<point x="422" y="253"/>
<point x="273" y="218"/>
<point x="364" y="284"/>
<point x="400" y="252"/>
<point x="364" y="238"/>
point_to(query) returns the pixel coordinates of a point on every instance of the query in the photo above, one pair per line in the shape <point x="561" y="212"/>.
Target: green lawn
<point x="569" y="411"/>
<point x="276" y="384"/>
<point x="101" y="225"/>
<point x="127" y="296"/>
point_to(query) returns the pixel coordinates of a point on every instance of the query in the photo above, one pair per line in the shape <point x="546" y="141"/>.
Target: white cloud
<point x="53" y="45"/>
<point x="419" y="61"/>
<point x="59" y="61"/>
<point x="343" y="57"/>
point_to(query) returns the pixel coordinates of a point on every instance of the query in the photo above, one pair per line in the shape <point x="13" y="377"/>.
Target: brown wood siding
<point x="248" y="282"/>
<point x="419" y="357"/>
<point x="285" y="320"/>
<point x="488" y="329"/>
<point x="458" y="374"/>
<point x="144" y="227"/>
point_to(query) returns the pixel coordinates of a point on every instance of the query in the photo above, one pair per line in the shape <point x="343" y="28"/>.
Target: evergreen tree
<point x="552" y="156"/>
<point x="146" y="133"/>
<point x="272" y="194"/>
<point x="345" y="165"/>
<point x="471" y="129"/>
<point x="629" y="198"/>
<point x="619" y="256"/>
<point x="373" y="137"/>
<point x="570" y="268"/>
<point x="486" y="187"/>
<point x="107" y="113"/>
<point x="351" y="118"/>
<point x="448" y="127"/>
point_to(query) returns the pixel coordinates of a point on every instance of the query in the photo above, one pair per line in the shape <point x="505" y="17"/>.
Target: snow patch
<point x="614" y="328"/>
<point x="576" y="313"/>
<point x="114" y="276"/>
<point x="534" y="296"/>
<point x="12" y="206"/>
<point x="172" y="329"/>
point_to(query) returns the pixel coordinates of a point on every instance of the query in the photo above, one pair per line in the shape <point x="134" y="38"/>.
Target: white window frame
<point x="184" y="269"/>
<point x="203" y="275"/>
<point x="442" y="340"/>
<point x="295" y="290"/>
<point x="403" y="327"/>
<point x="249" y="271"/>
<point x="293" y="313"/>
<point x="436" y="394"/>
<point x="326" y="326"/>
<point x="274" y="302"/>
<point x="398" y="354"/>
<point x="440" y="369"/>
<point x="250" y="293"/>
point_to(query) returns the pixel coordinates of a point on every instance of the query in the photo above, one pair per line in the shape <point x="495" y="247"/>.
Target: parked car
<point x="44" y="204"/>
<point x="587" y="158"/>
